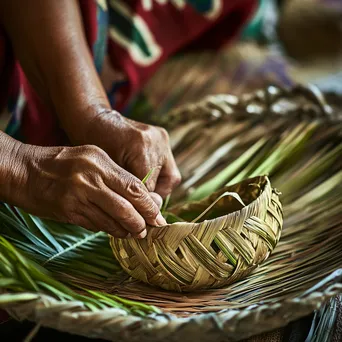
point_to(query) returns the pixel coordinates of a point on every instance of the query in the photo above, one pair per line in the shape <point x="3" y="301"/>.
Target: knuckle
<point x="144" y="138"/>
<point x="77" y="180"/>
<point x="79" y="185"/>
<point x="91" y="150"/>
<point x="135" y="188"/>
<point x="138" y="192"/>
<point x="176" y="179"/>
<point x="90" y="155"/>
<point x="87" y="167"/>
<point x="164" y="133"/>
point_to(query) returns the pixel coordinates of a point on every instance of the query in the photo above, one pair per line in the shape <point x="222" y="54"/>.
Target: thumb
<point x="157" y="199"/>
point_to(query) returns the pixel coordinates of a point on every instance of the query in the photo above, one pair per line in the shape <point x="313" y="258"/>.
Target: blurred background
<point x="285" y="42"/>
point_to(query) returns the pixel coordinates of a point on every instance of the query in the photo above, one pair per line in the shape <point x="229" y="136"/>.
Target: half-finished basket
<point x="222" y="239"/>
<point x="301" y="145"/>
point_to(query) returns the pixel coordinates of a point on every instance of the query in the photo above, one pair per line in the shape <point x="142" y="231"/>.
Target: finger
<point x="153" y="174"/>
<point x="169" y="177"/>
<point x="95" y="219"/>
<point x="121" y="210"/>
<point x="157" y="199"/>
<point x="132" y="190"/>
<point x="147" y="170"/>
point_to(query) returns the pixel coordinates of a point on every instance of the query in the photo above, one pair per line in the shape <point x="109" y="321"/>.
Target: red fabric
<point x="173" y="30"/>
<point x="88" y="11"/>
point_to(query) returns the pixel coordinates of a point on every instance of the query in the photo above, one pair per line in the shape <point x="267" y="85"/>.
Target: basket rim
<point x="228" y="324"/>
<point x="193" y="225"/>
<point x="226" y="187"/>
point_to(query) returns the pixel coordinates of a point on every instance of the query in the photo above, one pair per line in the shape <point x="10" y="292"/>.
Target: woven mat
<point x="295" y="332"/>
<point x="243" y="68"/>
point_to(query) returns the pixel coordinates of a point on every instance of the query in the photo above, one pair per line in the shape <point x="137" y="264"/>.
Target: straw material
<point x="187" y="256"/>
<point x="293" y="136"/>
<point x="114" y="324"/>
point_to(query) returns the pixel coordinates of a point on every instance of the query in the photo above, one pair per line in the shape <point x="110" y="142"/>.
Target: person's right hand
<point x="79" y="185"/>
<point x="83" y="186"/>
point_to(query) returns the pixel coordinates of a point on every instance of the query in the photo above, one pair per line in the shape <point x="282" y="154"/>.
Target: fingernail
<point x="142" y="234"/>
<point x="160" y="220"/>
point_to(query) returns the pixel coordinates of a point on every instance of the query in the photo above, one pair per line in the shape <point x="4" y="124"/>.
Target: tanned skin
<point x="97" y="182"/>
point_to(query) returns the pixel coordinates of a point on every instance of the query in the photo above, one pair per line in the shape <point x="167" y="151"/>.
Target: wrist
<point x="100" y="126"/>
<point x="84" y="122"/>
<point x="13" y="169"/>
<point x="20" y="170"/>
<point x="34" y="173"/>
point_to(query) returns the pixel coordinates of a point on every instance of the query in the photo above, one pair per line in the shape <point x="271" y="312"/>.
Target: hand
<point x="58" y="63"/>
<point x="136" y="147"/>
<point x="83" y="186"/>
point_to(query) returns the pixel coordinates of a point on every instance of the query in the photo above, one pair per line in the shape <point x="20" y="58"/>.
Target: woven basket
<point x="305" y="268"/>
<point x="209" y="254"/>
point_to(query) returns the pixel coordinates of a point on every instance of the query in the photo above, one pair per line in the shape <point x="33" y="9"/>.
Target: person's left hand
<point x="137" y="147"/>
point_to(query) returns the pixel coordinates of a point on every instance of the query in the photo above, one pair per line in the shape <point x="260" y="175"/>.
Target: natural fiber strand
<point x="337" y="331"/>
<point x="322" y="328"/>
<point x="303" y="271"/>
<point x="220" y="242"/>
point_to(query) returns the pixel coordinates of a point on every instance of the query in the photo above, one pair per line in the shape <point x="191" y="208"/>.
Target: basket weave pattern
<point x="305" y="269"/>
<point x="214" y="252"/>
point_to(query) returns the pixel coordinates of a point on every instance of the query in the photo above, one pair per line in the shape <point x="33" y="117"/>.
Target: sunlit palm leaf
<point x="303" y="158"/>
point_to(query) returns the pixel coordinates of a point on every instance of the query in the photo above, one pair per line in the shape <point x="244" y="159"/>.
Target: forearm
<point x="49" y="40"/>
<point x="12" y="169"/>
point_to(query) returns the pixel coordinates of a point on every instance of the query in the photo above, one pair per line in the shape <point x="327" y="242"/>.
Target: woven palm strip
<point x="299" y="102"/>
<point x="304" y="270"/>
<point x="226" y="326"/>
<point x="215" y="252"/>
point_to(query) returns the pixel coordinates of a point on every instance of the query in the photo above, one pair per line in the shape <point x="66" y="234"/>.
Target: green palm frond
<point x="59" y="247"/>
<point x="302" y="157"/>
<point x="19" y="273"/>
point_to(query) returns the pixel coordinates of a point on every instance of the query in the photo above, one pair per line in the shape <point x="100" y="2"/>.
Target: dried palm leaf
<point x="220" y="239"/>
<point x="298" y="138"/>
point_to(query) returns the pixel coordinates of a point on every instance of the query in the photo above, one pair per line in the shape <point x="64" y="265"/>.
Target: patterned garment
<point x="129" y="40"/>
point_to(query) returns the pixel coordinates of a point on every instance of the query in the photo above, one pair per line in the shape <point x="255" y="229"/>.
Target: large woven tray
<point x="305" y="269"/>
